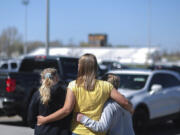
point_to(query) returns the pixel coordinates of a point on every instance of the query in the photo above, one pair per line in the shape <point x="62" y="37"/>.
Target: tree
<point x="10" y="41"/>
<point x="34" y="45"/>
<point x="56" y="43"/>
<point x="84" y="44"/>
<point x="31" y="46"/>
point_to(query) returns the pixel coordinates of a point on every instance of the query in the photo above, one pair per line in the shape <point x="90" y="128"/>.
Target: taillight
<point x="10" y="85"/>
<point x="40" y="57"/>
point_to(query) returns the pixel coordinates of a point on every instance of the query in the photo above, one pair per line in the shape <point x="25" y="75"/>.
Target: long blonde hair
<point x="47" y="77"/>
<point x="87" y="70"/>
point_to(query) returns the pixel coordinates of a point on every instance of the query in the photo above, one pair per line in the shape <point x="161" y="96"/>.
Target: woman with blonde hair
<point x="48" y="99"/>
<point x="114" y="119"/>
<point x="86" y="95"/>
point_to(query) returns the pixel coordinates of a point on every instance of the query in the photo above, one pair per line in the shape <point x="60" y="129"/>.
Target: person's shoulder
<point x="58" y="90"/>
<point x="60" y="86"/>
<point x="103" y="82"/>
<point x="112" y="105"/>
<point x="36" y="96"/>
<point x="72" y="84"/>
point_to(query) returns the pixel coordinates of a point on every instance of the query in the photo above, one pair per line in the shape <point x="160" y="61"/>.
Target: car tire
<point x="24" y="119"/>
<point x="140" y="119"/>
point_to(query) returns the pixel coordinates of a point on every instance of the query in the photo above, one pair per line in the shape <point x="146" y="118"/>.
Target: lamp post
<point x="149" y="31"/>
<point x="25" y="3"/>
<point x="47" y="27"/>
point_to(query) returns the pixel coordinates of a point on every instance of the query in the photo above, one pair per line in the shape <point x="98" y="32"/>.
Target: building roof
<point x="123" y="55"/>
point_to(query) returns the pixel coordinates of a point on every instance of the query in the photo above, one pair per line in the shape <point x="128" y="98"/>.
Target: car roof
<point x="48" y="57"/>
<point x="130" y="71"/>
<point x="140" y="71"/>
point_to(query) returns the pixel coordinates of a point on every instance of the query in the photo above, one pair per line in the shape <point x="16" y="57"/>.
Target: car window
<point x="13" y="65"/>
<point x="158" y="79"/>
<point x="4" y="66"/>
<point x="166" y="80"/>
<point x="171" y="80"/>
<point x="133" y="82"/>
<point x="112" y="64"/>
<point x="32" y="65"/>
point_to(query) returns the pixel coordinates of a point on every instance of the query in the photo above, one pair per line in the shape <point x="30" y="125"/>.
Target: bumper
<point x="8" y="106"/>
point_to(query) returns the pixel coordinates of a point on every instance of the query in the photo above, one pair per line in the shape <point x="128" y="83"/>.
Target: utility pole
<point x="25" y="3"/>
<point x="149" y="30"/>
<point x="47" y="27"/>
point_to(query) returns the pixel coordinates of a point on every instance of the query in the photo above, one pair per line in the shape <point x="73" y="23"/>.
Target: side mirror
<point x="155" y="88"/>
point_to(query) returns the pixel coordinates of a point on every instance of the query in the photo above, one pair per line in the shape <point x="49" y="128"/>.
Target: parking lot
<point x="14" y="126"/>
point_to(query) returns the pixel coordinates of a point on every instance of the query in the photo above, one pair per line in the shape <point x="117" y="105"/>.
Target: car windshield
<point x="133" y="82"/>
<point x="32" y="65"/>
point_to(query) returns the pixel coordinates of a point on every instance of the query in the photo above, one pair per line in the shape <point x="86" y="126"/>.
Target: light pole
<point x="25" y="3"/>
<point x="149" y="30"/>
<point x="47" y="27"/>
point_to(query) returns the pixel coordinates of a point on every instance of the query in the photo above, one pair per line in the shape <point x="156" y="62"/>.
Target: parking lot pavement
<point x="14" y="126"/>
<point x="14" y="130"/>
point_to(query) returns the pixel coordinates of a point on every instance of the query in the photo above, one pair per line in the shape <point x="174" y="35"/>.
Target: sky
<point x="126" y="22"/>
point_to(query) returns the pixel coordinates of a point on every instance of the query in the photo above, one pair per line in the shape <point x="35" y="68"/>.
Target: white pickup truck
<point x="155" y="94"/>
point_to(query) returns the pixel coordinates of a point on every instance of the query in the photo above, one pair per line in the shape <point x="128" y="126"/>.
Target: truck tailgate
<point x="24" y="82"/>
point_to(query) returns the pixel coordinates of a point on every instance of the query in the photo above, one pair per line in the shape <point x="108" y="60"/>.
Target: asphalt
<point x="15" y="126"/>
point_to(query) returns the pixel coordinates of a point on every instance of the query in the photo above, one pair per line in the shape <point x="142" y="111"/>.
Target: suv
<point x="155" y="95"/>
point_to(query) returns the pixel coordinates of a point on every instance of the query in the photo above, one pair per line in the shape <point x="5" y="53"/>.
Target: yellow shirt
<point x="90" y="103"/>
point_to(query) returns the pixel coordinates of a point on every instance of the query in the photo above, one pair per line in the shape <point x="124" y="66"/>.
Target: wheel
<point x="140" y="119"/>
<point x="24" y="113"/>
<point x="27" y="101"/>
<point x="24" y="120"/>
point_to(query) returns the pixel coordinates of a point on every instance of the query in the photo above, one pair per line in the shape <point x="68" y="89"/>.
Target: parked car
<point x="155" y="95"/>
<point x="111" y="65"/>
<point x="17" y="88"/>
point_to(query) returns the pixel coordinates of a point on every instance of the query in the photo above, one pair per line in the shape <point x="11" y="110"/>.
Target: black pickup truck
<point x="17" y="88"/>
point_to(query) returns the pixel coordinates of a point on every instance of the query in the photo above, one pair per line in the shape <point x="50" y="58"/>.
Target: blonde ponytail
<point x="47" y="81"/>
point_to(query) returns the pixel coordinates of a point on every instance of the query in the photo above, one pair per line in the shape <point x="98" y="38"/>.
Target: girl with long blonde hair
<point x="48" y="99"/>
